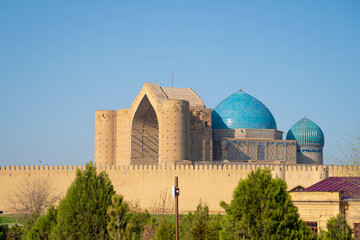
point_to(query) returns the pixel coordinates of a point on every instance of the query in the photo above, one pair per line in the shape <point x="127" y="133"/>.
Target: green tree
<point x="29" y="223"/>
<point x="214" y="226"/>
<point x="127" y="221"/>
<point x="200" y="225"/>
<point x="82" y="214"/>
<point x="136" y="222"/>
<point x="165" y="230"/>
<point x="200" y="229"/>
<point x="261" y="208"/>
<point x="185" y="224"/>
<point x="118" y="212"/>
<point x="337" y="229"/>
<point x="42" y="226"/>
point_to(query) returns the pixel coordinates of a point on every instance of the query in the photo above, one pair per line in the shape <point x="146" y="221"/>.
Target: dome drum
<point x="248" y="133"/>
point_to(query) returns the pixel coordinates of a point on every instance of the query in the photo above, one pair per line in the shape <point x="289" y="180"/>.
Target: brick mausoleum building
<point x="173" y="125"/>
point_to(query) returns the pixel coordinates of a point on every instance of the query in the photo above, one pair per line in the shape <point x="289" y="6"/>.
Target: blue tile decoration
<point x="306" y="133"/>
<point x="241" y="110"/>
<point x="281" y="152"/>
<point x="271" y="149"/>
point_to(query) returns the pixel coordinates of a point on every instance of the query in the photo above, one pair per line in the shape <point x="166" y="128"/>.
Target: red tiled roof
<point x="350" y="186"/>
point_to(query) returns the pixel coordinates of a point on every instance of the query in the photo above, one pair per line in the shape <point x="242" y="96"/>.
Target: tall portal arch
<point x="145" y="134"/>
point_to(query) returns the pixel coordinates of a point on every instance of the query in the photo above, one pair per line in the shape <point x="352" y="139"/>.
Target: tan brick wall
<point x="200" y="134"/>
<point x="105" y="126"/>
<point x="209" y="184"/>
<point x="317" y="206"/>
<point x="353" y="212"/>
<point x="123" y="136"/>
<point x="174" y="131"/>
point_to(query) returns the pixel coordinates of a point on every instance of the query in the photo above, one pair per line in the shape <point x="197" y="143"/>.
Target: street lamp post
<point x="176" y="193"/>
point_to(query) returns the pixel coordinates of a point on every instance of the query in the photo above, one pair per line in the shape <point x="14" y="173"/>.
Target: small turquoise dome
<point x="241" y="110"/>
<point x="306" y="133"/>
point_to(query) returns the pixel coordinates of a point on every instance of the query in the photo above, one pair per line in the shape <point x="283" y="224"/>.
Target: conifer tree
<point x="200" y="225"/>
<point x="165" y="230"/>
<point x="82" y="214"/>
<point x="42" y="226"/>
<point x="118" y="213"/>
<point x="261" y="208"/>
<point x="338" y="229"/>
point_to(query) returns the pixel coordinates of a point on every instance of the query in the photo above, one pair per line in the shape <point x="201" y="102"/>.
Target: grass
<point x="159" y="217"/>
<point x="12" y="218"/>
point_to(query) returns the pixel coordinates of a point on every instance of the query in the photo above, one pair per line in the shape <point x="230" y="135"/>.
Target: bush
<point x="337" y="229"/>
<point x="3" y="231"/>
<point x="118" y="212"/>
<point x="43" y="225"/>
<point x="165" y="230"/>
<point x="136" y="222"/>
<point x="200" y="225"/>
<point x="15" y="232"/>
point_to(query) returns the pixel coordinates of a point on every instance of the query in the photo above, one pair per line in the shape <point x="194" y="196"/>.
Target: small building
<point x="327" y="198"/>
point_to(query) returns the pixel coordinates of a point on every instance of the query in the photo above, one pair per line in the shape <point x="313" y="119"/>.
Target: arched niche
<point x="145" y="134"/>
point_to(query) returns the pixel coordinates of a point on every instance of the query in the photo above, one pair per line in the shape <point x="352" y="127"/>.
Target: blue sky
<point x="62" y="60"/>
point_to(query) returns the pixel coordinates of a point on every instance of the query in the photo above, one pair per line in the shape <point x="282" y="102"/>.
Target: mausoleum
<point x="167" y="125"/>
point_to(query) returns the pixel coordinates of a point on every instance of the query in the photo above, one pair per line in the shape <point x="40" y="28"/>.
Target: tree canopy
<point x="200" y="225"/>
<point x="337" y="229"/>
<point x="165" y="230"/>
<point x="82" y="214"/>
<point x="261" y="208"/>
<point x="118" y="212"/>
<point x="42" y="226"/>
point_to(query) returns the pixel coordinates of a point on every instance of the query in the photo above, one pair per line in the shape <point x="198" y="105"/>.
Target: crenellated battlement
<point x="209" y="183"/>
<point x="192" y="167"/>
<point x="40" y="167"/>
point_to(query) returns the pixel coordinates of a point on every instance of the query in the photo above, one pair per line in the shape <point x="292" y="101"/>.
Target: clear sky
<point x="62" y="60"/>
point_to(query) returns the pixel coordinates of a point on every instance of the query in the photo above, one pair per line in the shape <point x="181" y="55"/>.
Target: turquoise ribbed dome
<point x="241" y="110"/>
<point x="306" y="133"/>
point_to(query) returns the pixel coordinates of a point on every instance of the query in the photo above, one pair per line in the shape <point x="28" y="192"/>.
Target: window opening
<point x="313" y="226"/>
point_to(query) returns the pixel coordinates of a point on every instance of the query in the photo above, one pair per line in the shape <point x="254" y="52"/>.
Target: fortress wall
<point x="13" y="178"/>
<point x="208" y="184"/>
<point x="346" y="171"/>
